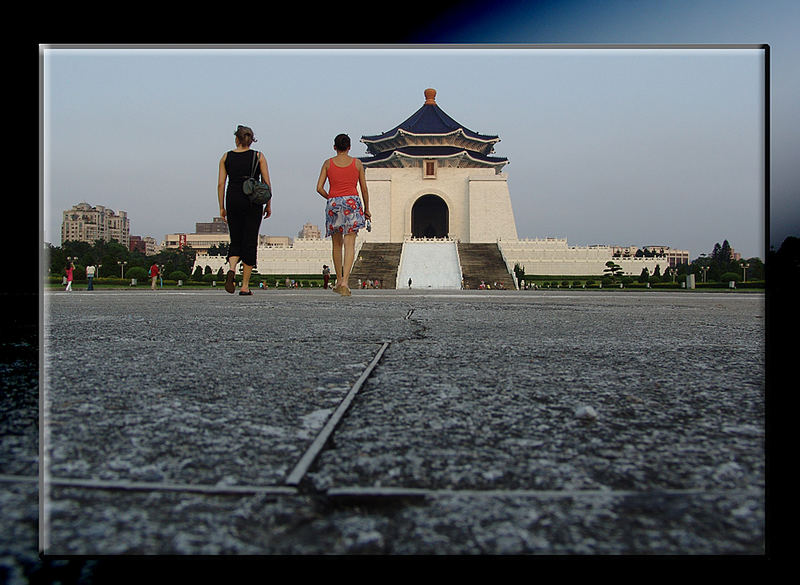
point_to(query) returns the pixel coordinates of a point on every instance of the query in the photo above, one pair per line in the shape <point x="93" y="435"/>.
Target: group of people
<point x="486" y="286"/>
<point x="69" y="275"/>
<point x="369" y="283"/>
<point x="344" y="212"/>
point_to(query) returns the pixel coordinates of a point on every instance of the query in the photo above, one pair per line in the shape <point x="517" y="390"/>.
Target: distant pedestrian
<point x="344" y="213"/>
<point x="90" y="270"/>
<point x="69" y="269"/>
<point x="243" y="217"/>
<point x="326" y="275"/>
<point x="409" y="283"/>
<point x="153" y="275"/>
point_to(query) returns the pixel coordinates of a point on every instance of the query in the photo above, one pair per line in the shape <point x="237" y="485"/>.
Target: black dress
<point x="244" y="218"/>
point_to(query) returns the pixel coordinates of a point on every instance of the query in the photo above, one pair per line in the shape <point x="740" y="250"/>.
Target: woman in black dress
<point x="243" y="217"/>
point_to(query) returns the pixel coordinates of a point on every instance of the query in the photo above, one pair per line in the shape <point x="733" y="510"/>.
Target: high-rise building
<point x="137" y="244"/>
<point x="310" y="232"/>
<point x="217" y="226"/>
<point x="147" y="245"/>
<point x="86" y="223"/>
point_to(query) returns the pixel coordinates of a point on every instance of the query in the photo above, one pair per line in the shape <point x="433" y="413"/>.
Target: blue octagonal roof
<point x="431" y="120"/>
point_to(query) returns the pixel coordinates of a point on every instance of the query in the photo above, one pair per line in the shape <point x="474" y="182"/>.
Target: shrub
<point x="728" y="276"/>
<point x="177" y="275"/>
<point x="138" y="273"/>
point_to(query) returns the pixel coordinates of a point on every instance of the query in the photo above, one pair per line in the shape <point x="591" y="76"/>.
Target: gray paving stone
<point x="463" y="440"/>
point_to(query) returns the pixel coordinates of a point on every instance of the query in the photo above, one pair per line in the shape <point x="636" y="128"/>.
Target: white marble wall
<point x="303" y="257"/>
<point x="553" y="256"/>
<point x="478" y="201"/>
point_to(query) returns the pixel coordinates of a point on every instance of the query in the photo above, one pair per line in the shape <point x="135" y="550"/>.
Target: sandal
<point x="230" y="284"/>
<point x="245" y="292"/>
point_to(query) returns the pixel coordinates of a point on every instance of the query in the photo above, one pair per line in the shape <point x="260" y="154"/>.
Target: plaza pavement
<point x="477" y="422"/>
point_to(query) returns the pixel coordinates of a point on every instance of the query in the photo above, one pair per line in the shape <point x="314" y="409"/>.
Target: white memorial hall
<point x="444" y="217"/>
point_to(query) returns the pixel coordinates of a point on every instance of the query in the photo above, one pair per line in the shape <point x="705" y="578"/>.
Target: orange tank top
<point x="342" y="180"/>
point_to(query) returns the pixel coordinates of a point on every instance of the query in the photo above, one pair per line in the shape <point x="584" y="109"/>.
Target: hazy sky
<point x="606" y="146"/>
<point x="774" y="22"/>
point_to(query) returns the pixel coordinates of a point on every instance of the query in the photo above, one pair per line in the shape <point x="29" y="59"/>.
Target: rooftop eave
<point x="460" y="154"/>
<point x="399" y="131"/>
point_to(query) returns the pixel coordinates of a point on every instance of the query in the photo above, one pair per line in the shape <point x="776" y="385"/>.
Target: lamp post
<point x="98" y="270"/>
<point x="745" y="266"/>
<point x="704" y="269"/>
<point x="121" y="268"/>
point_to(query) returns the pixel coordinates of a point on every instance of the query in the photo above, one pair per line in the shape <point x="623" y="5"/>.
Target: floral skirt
<point x="344" y="215"/>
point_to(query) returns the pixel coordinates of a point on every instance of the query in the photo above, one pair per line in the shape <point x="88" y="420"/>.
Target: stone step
<point x="479" y="262"/>
<point x="376" y="261"/>
<point x="483" y="262"/>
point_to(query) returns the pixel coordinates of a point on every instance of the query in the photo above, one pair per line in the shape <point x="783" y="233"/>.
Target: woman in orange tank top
<point x="344" y="213"/>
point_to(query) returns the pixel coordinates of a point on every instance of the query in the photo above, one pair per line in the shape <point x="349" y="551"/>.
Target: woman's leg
<point x="337" y="240"/>
<point x="249" y="244"/>
<point x="349" y="257"/>
<point x="246" y="270"/>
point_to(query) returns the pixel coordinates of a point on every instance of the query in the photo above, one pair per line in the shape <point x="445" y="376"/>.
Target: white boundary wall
<point x="552" y="256"/>
<point x="302" y="257"/>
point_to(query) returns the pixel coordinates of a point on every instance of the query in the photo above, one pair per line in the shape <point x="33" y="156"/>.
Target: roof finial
<point x="430" y="96"/>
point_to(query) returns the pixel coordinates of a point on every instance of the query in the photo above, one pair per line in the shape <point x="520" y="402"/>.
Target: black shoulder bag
<point x="257" y="192"/>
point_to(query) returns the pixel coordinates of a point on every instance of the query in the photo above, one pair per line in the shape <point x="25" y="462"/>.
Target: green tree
<point x="56" y="259"/>
<point x="220" y="249"/>
<point x="721" y="260"/>
<point x="82" y="251"/>
<point x="137" y="258"/>
<point x="174" y="259"/>
<point x="612" y="270"/>
<point x="756" y="269"/>
<point x="137" y="272"/>
<point x="109" y="255"/>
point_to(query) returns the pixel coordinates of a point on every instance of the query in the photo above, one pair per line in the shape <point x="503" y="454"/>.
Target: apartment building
<point x="310" y="232"/>
<point x="146" y="245"/>
<point x="87" y="223"/>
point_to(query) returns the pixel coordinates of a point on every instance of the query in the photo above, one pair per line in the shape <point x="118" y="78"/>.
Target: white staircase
<point x="429" y="264"/>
